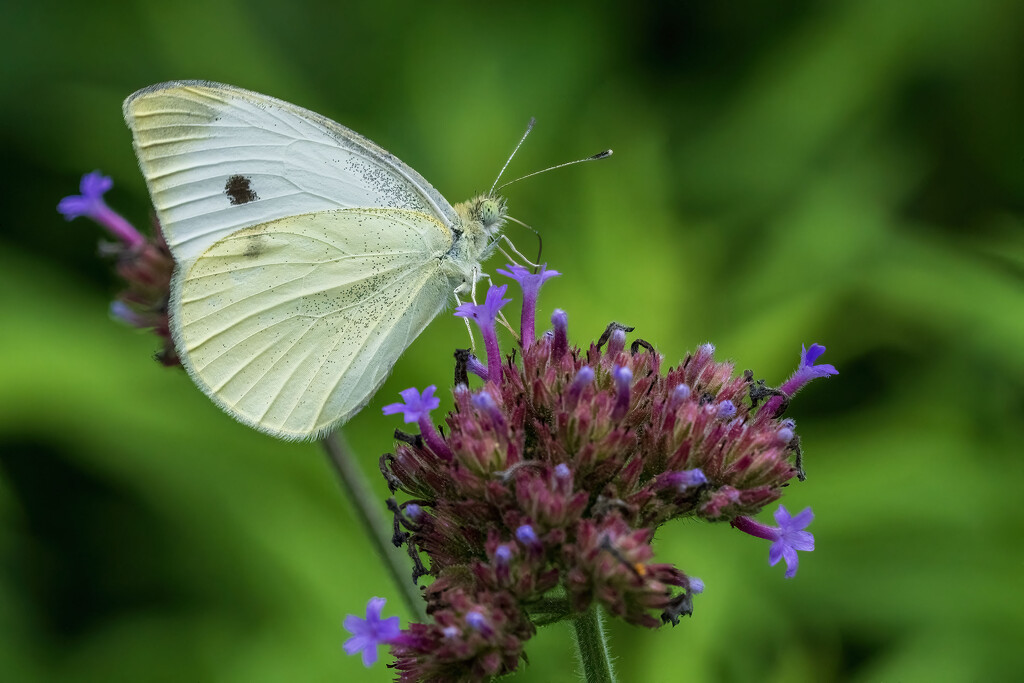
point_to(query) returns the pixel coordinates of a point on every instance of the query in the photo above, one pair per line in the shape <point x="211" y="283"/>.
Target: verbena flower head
<point x="562" y="465"/>
<point x="145" y="264"/>
<point x="370" y="632"/>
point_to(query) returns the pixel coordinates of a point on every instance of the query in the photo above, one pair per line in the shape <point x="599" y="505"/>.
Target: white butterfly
<point x="308" y="258"/>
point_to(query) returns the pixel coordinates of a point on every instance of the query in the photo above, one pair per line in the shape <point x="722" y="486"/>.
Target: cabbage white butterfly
<point x="307" y="257"/>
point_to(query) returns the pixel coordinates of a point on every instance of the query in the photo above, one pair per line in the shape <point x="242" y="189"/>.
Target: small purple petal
<point x="807" y="370"/>
<point x="370" y="632"/>
<point x="696" y="585"/>
<point x="726" y="410"/>
<point x="416" y="405"/>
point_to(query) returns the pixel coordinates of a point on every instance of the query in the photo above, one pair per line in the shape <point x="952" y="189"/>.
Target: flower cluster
<point x="145" y="264"/>
<point x="544" y="493"/>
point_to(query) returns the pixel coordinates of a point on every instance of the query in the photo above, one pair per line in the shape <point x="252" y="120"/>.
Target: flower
<point x="560" y="469"/>
<point x="370" y="632"/>
<point x="145" y="264"/>
<point x="807" y="370"/>
<point x="787" y="538"/>
<point x="484" y="315"/>
<point x="530" y="284"/>
<point x="90" y="204"/>
<point x="416" y="408"/>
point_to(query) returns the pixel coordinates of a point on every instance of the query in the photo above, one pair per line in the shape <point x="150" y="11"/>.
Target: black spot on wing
<point x="254" y="246"/>
<point x="238" y="190"/>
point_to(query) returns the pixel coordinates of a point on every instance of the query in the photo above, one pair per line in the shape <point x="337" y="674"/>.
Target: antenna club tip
<point x="602" y="155"/>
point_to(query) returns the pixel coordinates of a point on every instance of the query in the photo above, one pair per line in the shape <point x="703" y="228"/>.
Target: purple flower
<point x="530" y="284"/>
<point x="807" y="370"/>
<point x="91" y="205"/>
<point x="416" y="408"/>
<point x="787" y="538"/>
<point x="726" y="410"/>
<point x="370" y="632"/>
<point x="484" y="315"/>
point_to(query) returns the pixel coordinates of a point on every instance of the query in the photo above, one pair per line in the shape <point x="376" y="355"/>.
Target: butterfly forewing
<point x="218" y="159"/>
<point x="293" y="324"/>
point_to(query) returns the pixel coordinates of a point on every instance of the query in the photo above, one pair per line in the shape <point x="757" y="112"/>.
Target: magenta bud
<point x="679" y="394"/>
<point x="616" y="343"/>
<point x="623" y="379"/>
<point x="726" y="410"/>
<point x="584" y="376"/>
<point x="560" y="344"/>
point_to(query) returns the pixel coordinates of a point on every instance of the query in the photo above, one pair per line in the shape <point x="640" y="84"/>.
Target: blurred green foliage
<point x="847" y="172"/>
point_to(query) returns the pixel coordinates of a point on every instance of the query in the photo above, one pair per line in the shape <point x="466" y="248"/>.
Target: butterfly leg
<point x="516" y="252"/>
<point x="469" y="328"/>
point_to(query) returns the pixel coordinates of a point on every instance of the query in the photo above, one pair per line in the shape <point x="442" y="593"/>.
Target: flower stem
<point x="592" y="647"/>
<point x="358" y="490"/>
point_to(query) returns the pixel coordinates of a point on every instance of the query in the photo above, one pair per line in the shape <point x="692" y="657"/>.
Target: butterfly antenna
<point x="529" y="127"/>
<point x="600" y="155"/>
<point x="540" y="241"/>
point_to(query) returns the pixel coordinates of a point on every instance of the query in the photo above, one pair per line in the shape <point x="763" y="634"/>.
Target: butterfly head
<point x="489" y="211"/>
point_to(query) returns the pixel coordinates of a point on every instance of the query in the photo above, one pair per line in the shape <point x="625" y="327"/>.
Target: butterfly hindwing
<point x="293" y="324"/>
<point x="218" y="159"/>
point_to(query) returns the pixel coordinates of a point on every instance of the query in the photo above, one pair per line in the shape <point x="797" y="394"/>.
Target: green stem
<point x="592" y="647"/>
<point x="368" y="509"/>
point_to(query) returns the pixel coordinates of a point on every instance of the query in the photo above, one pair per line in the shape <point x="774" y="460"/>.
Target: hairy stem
<point x="592" y="647"/>
<point x="358" y="490"/>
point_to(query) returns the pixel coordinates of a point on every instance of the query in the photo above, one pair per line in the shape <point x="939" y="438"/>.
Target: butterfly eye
<point x="490" y="212"/>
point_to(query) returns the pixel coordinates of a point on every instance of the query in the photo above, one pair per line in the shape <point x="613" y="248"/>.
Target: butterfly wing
<point x="218" y="159"/>
<point x="292" y="325"/>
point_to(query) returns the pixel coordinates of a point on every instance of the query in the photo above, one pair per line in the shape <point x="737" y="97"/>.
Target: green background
<point x="849" y="172"/>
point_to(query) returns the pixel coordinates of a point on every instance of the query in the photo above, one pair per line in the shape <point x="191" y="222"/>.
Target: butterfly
<point x="307" y="257"/>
